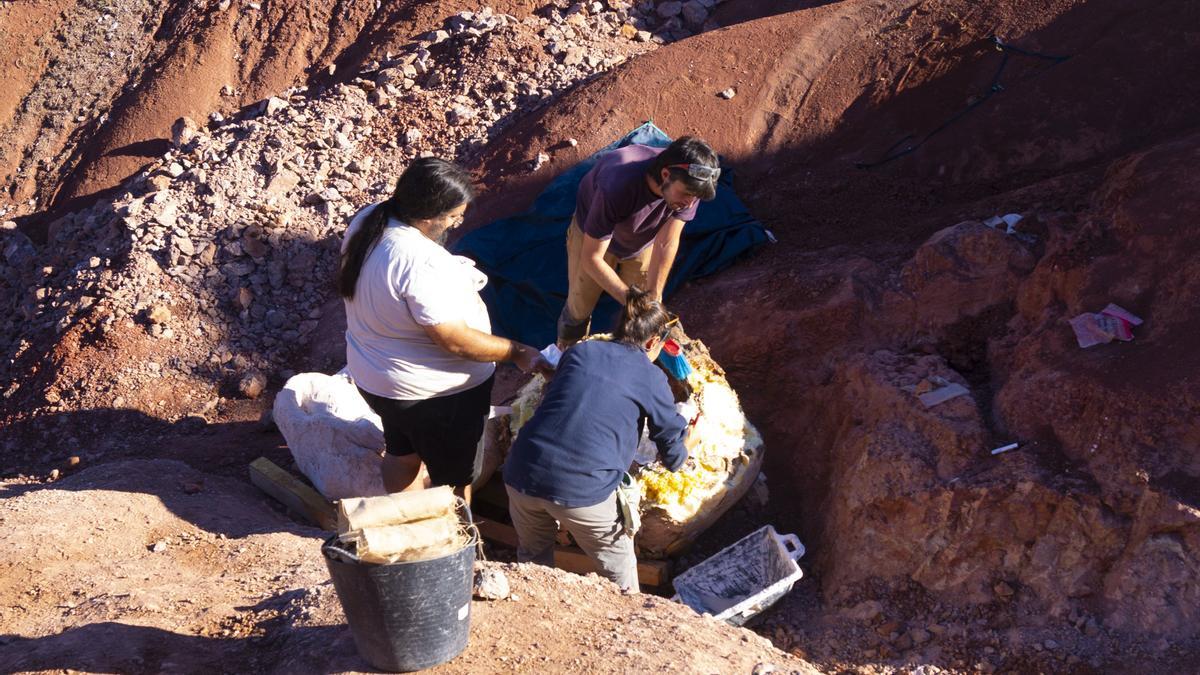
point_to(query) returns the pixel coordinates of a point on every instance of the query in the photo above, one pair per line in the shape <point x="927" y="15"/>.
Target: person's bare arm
<point x="461" y="340"/>
<point x="662" y="255"/>
<point x="592" y="258"/>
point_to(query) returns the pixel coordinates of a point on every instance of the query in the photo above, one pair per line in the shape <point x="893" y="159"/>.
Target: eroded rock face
<point x="1125" y="414"/>
<point x="1096" y="510"/>
<point x="915" y="492"/>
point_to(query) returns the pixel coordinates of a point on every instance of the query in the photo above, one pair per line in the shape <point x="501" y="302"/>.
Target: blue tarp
<point x="525" y="256"/>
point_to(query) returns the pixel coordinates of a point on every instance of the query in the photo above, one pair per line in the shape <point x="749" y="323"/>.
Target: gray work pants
<point x="597" y="529"/>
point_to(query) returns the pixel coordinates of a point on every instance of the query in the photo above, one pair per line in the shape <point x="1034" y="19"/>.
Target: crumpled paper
<point x="1111" y="323"/>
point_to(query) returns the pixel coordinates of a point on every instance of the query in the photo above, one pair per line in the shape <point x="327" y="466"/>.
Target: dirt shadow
<point x="112" y="646"/>
<point x="221" y="452"/>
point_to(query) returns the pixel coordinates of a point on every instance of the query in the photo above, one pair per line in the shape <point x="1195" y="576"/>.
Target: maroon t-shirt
<point x="615" y="203"/>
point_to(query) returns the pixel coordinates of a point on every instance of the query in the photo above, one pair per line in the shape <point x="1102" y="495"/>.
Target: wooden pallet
<point x="290" y="491"/>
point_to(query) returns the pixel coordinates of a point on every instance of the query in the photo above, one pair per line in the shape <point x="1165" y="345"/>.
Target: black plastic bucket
<point x="405" y="616"/>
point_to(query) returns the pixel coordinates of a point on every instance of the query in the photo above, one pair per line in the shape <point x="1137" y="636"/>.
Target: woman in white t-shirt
<point x="418" y="336"/>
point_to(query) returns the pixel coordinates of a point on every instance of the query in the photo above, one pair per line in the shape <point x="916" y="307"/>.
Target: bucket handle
<point x="791" y="544"/>
<point x="333" y="545"/>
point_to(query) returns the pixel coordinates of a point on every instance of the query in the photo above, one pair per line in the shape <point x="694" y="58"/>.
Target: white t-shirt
<point x="409" y="281"/>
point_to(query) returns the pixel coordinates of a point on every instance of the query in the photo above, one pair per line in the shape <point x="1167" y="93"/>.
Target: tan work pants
<point x="599" y="531"/>
<point x="584" y="292"/>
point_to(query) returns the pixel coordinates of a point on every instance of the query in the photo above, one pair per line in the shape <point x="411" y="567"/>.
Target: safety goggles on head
<point x="699" y="171"/>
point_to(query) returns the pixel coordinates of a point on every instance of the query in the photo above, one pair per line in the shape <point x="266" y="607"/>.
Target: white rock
<point x="167" y="216"/>
<point x="491" y="584"/>
<point x="728" y="93"/>
<point x="334" y="436"/>
<point x="274" y="105"/>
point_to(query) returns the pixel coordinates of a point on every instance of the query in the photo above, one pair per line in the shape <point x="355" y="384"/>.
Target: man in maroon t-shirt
<point x="629" y="213"/>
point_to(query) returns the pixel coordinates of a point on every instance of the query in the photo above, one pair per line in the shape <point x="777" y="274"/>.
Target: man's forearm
<point x="662" y="257"/>
<point x="606" y="277"/>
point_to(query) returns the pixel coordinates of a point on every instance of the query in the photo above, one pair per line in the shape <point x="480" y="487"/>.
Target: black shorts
<point x="444" y="431"/>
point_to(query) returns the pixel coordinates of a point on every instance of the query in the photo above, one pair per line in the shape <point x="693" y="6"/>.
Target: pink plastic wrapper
<point x="1113" y="323"/>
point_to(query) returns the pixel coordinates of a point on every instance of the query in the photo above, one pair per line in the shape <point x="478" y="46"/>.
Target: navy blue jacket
<point x="584" y="434"/>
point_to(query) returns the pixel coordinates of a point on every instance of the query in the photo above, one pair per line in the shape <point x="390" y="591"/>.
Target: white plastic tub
<point x="744" y="578"/>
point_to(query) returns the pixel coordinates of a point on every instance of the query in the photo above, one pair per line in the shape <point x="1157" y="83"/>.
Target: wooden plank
<point x="571" y="558"/>
<point x="292" y="493"/>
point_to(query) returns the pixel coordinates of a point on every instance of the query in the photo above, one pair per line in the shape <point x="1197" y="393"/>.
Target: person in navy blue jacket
<point x="567" y="461"/>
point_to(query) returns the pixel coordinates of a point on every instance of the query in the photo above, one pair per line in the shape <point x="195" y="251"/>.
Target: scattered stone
<point x="159" y="181"/>
<point x="273" y="105"/>
<point x="183" y="131"/>
<point x="252" y="384"/>
<point x="158" y="546"/>
<point x="18" y="249"/>
<point x="158" y="314"/>
<point x="864" y="612"/>
<point x="253" y="244"/>
<point x="694" y="13"/>
<point x="184" y="246"/>
<point x="540" y="161"/>
<point x="460" y="114"/>
<point x="1003" y="589"/>
<point x="669" y="9"/>
<point x="282" y="182"/>
<point x="727" y="93"/>
<point x="245" y="297"/>
<point x="322" y="196"/>
<point x="573" y="56"/>
<point x="168" y="216"/>
<point x="54" y="474"/>
<point x="491" y="584"/>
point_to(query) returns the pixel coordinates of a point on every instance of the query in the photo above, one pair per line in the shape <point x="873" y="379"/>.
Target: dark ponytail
<point x="642" y="318"/>
<point x="428" y="188"/>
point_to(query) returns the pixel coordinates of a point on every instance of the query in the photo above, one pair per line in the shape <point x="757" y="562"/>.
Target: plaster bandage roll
<point x="408" y="542"/>
<point x="357" y="513"/>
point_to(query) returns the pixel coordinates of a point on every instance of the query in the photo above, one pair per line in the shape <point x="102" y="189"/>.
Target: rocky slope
<point x="874" y="138"/>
